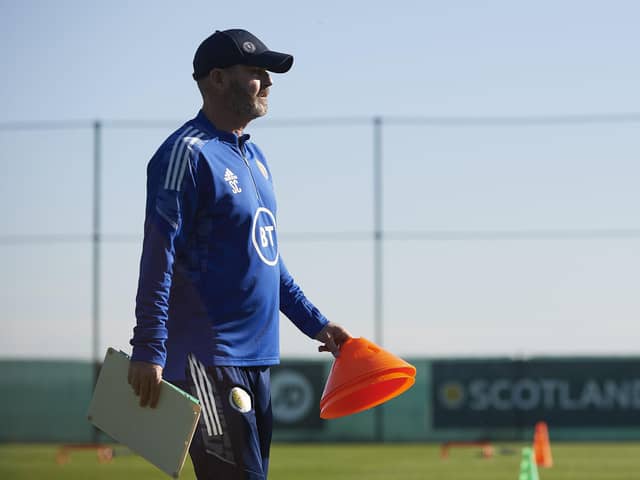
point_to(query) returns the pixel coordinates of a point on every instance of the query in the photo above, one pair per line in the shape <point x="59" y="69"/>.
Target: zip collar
<point x="228" y="137"/>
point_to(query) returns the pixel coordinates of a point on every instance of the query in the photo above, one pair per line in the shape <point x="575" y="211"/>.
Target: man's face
<point x="246" y="91"/>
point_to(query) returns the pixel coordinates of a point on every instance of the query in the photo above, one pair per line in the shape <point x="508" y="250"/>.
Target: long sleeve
<point x="295" y="305"/>
<point x="171" y="201"/>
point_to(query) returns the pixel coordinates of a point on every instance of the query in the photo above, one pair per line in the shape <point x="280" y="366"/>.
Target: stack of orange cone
<point x="363" y="376"/>
<point x="541" y="445"/>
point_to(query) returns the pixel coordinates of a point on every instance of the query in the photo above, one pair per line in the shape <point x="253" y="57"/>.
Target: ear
<point x="217" y="79"/>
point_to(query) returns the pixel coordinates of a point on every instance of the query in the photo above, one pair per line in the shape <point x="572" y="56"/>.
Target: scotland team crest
<point x="263" y="169"/>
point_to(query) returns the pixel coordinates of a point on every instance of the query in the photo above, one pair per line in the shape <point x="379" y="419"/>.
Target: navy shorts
<point x="233" y="437"/>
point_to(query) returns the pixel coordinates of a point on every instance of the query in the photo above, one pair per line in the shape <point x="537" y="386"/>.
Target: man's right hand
<point x="146" y="378"/>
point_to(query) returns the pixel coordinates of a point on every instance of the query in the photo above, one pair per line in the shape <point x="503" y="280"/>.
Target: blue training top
<point x="211" y="277"/>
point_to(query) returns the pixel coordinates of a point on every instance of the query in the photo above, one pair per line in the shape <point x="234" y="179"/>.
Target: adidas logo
<point x="229" y="175"/>
<point x="232" y="179"/>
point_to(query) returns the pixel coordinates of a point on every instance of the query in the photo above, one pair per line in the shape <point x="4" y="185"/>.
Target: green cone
<point x="528" y="467"/>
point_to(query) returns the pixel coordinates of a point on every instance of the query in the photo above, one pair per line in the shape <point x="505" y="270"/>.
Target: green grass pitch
<point x="573" y="461"/>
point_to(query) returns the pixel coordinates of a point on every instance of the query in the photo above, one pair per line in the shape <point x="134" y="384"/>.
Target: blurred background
<point x="457" y="181"/>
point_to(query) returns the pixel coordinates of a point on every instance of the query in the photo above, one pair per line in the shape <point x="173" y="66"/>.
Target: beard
<point x="243" y="104"/>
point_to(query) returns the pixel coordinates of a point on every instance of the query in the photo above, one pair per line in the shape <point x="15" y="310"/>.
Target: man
<point x="212" y="281"/>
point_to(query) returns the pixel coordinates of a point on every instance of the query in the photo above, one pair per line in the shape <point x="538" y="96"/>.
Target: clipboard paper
<point x="161" y="435"/>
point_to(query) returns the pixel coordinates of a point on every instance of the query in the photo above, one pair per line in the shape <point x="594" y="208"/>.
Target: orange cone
<point x="363" y="376"/>
<point x="541" y="445"/>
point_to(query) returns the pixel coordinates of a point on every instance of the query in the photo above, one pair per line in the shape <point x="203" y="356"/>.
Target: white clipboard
<point x="161" y="435"/>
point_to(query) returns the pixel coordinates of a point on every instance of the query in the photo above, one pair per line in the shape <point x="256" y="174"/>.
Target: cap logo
<point x="248" y="47"/>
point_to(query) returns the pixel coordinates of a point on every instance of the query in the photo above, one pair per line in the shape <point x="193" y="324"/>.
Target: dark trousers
<point x="233" y="436"/>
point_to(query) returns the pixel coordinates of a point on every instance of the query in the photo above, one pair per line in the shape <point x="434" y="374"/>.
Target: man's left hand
<point x="332" y="336"/>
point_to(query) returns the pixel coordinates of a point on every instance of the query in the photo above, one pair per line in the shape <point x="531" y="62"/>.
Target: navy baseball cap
<point x="237" y="47"/>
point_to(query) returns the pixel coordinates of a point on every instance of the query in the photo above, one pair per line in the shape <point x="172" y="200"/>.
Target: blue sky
<point x="73" y="60"/>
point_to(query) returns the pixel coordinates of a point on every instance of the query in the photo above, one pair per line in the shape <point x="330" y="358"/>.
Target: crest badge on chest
<point x="263" y="169"/>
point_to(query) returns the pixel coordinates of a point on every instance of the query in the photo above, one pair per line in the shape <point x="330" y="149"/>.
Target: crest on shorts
<point x="263" y="169"/>
<point x="240" y="400"/>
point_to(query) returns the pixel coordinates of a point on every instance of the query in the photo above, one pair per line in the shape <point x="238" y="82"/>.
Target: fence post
<point x="377" y="231"/>
<point x="378" y="256"/>
<point x="96" y="239"/>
